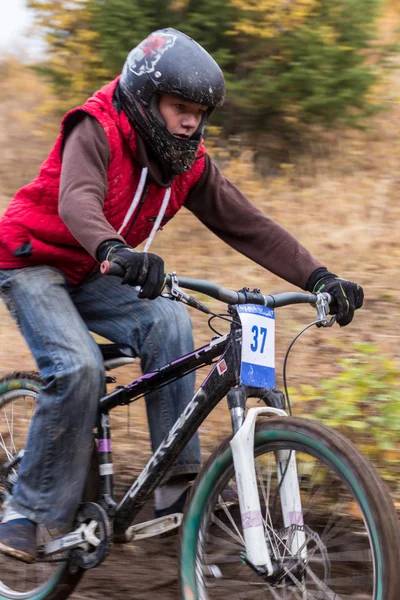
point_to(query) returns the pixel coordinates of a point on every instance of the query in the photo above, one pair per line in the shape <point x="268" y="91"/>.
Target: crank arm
<point x="83" y="535"/>
<point x="154" y="527"/>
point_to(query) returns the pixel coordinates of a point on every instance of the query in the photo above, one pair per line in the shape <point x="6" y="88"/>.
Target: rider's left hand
<point x="347" y="296"/>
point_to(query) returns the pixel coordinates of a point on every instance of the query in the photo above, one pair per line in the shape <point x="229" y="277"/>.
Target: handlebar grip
<point x="109" y="268"/>
<point x="333" y="307"/>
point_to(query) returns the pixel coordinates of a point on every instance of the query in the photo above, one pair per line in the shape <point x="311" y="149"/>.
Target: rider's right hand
<point x="141" y="268"/>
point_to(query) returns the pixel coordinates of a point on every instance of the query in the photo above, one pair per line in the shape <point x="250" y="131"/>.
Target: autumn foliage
<point x="303" y="61"/>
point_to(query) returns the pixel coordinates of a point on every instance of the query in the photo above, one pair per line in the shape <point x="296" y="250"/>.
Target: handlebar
<point x="229" y="296"/>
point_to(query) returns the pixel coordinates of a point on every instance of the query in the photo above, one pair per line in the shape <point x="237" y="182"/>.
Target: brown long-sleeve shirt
<point x="214" y="200"/>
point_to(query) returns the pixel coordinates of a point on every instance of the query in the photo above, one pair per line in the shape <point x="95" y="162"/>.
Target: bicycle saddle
<point x="116" y="355"/>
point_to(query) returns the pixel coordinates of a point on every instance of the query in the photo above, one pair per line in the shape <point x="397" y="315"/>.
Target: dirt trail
<point x="146" y="571"/>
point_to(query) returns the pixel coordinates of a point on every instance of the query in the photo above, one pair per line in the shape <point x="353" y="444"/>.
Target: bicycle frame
<point x="222" y="377"/>
<point x="220" y="382"/>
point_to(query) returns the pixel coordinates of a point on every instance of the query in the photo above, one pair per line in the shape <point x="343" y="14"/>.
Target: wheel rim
<point x="19" y="580"/>
<point x="343" y="540"/>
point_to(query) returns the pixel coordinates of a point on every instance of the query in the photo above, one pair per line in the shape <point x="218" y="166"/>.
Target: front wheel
<point x="350" y="532"/>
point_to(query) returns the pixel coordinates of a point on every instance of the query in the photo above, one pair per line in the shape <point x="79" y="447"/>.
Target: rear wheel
<point x="350" y="544"/>
<point x="19" y="581"/>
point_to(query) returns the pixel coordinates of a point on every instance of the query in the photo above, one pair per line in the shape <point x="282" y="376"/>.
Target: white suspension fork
<point x="242" y="445"/>
<point x="291" y="501"/>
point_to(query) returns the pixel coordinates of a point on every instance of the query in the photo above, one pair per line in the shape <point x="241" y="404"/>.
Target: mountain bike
<point x="285" y="508"/>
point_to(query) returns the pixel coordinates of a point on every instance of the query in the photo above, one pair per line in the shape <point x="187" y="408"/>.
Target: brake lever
<point x="322" y="307"/>
<point x="176" y="293"/>
<point x="327" y="323"/>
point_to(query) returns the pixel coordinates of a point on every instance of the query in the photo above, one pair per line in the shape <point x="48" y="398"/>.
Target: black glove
<point x="346" y="295"/>
<point x="141" y="268"/>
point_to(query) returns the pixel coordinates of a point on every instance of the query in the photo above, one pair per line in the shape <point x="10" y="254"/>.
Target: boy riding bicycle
<point x="123" y="165"/>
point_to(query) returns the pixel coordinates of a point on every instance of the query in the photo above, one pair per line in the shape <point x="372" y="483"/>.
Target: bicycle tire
<point x="18" y="392"/>
<point x="365" y="498"/>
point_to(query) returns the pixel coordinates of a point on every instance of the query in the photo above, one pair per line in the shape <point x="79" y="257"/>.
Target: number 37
<point x="259" y="337"/>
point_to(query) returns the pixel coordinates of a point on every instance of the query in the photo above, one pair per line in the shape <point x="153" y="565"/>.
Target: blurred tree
<point x="304" y="59"/>
<point x="121" y="24"/>
<point x="73" y="66"/>
<point x="295" y="61"/>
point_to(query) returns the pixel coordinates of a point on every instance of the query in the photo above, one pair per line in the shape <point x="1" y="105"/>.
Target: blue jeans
<point x="55" y="318"/>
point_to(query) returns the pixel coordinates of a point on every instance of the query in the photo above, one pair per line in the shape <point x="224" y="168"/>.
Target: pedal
<point x="153" y="528"/>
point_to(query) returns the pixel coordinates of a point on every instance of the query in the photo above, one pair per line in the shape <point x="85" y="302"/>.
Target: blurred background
<point x="310" y="132"/>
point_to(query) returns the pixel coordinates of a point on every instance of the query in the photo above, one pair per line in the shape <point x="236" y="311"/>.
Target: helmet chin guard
<point x="169" y="62"/>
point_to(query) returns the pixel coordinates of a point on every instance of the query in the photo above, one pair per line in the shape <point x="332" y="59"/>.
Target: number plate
<point x="258" y="345"/>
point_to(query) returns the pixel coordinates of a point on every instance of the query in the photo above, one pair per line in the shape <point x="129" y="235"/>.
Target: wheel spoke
<point x="10" y="431"/>
<point x="238" y="537"/>
<point x="329" y="594"/>
<point x="4" y="447"/>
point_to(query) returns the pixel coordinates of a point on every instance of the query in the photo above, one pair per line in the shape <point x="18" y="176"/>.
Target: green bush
<point x="363" y="402"/>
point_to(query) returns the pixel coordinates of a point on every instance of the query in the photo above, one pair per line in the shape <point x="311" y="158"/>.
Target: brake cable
<point x="284" y="368"/>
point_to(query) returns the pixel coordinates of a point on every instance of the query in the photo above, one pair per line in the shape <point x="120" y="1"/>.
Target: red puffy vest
<point x="32" y="215"/>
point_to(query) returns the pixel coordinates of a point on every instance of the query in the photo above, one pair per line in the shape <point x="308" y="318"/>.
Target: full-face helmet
<point x="169" y="62"/>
